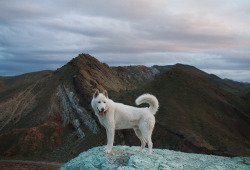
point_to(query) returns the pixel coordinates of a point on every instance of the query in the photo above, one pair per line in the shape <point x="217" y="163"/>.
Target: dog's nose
<point x="102" y="109"/>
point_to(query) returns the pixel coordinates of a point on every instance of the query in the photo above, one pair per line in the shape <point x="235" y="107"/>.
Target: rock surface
<point x="125" y="157"/>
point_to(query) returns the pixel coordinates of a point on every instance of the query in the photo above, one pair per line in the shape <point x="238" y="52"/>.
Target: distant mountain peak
<point x="85" y="58"/>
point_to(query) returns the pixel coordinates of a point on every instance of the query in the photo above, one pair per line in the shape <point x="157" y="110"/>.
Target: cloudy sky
<point x="211" y="35"/>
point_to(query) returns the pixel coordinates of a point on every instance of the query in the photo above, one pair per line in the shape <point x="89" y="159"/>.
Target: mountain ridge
<point x="58" y="105"/>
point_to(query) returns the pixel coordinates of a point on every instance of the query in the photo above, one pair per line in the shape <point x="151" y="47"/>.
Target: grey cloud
<point x="205" y="34"/>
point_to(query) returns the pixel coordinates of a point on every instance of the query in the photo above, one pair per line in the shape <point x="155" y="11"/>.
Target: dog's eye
<point x="104" y="102"/>
<point x="99" y="102"/>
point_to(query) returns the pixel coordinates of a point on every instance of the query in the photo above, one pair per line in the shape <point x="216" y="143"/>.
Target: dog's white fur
<point x="120" y="116"/>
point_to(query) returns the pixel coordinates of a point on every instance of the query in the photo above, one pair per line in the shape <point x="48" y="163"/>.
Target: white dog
<point x="119" y="116"/>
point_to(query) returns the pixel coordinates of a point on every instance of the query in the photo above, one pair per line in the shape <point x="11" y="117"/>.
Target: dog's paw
<point x="107" y="150"/>
<point x="139" y="150"/>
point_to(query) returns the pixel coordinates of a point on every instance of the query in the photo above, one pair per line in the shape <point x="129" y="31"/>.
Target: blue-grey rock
<point x="127" y="158"/>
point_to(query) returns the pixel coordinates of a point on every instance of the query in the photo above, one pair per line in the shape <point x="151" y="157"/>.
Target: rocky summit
<point x="125" y="157"/>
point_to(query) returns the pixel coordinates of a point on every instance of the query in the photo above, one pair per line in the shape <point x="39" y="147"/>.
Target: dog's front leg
<point x="110" y="138"/>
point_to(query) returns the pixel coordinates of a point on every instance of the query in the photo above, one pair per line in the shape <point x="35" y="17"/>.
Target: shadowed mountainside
<point x="195" y="115"/>
<point x="50" y="118"/>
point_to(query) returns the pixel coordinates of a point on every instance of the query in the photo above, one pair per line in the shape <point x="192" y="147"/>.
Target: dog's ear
<point x="96" y="93"/>
<point x="105" y="93"/>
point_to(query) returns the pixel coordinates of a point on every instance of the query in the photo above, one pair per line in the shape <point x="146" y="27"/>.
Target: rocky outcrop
<point x="73" y="113"/>
<point x="125" y="157"/>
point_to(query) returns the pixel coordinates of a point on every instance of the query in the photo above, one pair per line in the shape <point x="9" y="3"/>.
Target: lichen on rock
<point x="125" y="157"/>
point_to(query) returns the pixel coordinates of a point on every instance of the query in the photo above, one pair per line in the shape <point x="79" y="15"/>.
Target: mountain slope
<point x="55" y="111"/>
<point x="234" y="87"/>
<point x="195" y="115"/>
<point x="16" y="81"/>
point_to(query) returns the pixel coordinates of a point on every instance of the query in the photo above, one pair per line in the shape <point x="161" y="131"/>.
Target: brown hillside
<point x="195" y="115"/>
<point x="16" y="81"/>
<point x="61" y="100"/>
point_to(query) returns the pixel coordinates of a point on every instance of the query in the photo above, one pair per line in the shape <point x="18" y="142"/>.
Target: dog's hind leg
<point x="139" y="135"/>
<point x="146" y="133"/>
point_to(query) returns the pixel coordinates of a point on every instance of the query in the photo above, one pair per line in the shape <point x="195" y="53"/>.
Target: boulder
<point x="125" y="157"/>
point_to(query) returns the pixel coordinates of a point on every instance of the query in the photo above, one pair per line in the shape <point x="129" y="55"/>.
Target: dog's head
<point x="100" y="101"/>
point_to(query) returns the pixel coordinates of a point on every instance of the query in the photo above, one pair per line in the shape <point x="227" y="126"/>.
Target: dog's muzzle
<point x="101" y="112"/>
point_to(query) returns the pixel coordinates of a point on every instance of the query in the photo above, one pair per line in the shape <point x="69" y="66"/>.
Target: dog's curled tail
<point x="151" y="100"/>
